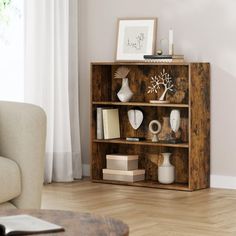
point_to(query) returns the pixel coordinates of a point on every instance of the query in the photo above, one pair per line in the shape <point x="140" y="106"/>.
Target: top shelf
<point x="146" y="104"/>
<point x="143" y="62"/>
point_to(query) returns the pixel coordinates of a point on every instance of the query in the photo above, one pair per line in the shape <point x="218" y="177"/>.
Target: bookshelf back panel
<point x="149" y="159"/>
<point x="101" y="83"/>
<point x="149" y="113"/>
<point x="105" y="87"/>
<point x="139" y="81"/>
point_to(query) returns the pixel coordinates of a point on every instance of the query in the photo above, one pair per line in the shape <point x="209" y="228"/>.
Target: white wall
<point x="205" y="30"/>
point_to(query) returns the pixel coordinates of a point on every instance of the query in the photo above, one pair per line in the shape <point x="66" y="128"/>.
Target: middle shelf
<point x="147" y="142"/>
<point x="124" y="119"/>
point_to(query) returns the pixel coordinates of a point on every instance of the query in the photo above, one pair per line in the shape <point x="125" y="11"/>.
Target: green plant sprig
<point x="4" y="4"/>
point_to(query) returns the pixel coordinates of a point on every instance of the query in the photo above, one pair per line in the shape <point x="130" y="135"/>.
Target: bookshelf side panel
<point x="200" y="126"/>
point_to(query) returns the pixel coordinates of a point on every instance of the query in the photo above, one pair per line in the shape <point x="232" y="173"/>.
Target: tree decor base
<point x="158" y="101"/>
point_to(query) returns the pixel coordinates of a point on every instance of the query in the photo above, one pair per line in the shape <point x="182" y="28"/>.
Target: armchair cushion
<point x="10" y="180"/>
<point x="22" y="140"/>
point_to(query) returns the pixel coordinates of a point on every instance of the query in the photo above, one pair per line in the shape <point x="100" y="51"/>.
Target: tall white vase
<point x="125" y="94"/>
<point x="166" y="171"/>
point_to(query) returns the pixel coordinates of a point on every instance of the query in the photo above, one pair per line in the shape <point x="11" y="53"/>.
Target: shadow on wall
<point x="223" y="117"/>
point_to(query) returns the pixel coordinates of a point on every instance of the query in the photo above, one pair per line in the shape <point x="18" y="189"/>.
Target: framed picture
<point x="136" y="37"/>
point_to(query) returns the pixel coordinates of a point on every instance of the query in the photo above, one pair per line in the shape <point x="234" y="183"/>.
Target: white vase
<point x="166" y="171"/>
<point x="125" y="94"/>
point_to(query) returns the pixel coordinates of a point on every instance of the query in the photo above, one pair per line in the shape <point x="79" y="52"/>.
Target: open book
<point x="26" y="224"/>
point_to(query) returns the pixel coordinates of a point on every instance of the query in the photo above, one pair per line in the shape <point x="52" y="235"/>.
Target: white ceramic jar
<point x="166" y="171"/>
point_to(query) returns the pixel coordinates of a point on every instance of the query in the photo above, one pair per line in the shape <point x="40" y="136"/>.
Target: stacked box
<point x="122" y="162"/>
<point x="123" y="168"/>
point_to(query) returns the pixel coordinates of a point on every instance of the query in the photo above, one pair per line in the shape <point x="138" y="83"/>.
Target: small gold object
<point x="159" y="52"/>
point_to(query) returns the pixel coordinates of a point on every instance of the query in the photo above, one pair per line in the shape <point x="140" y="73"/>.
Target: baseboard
<point x="221" y="181"/>
<point x="86" y="169"/>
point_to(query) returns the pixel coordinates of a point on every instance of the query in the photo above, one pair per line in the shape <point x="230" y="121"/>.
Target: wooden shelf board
<point x="147" y="183"/>
<point x="142" y="62"/>
<point x="148" y="143"/>
<point x="146" y="104"/>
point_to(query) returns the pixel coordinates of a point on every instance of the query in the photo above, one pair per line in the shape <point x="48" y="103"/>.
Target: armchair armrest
<point x="22" y="139"/>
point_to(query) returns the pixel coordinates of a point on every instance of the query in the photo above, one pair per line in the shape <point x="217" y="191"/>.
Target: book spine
<point x="164" y="60"/>
<point x="100" y="134"/>
<point x="178" y="57"/>
<point x="163" y="56"/>
<point x="157" y="57"/>
<point x="105" y="124"/>
<point x="159" y="60"/>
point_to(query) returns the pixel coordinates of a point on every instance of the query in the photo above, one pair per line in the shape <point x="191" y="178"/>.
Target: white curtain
<point x="51" y="81"/>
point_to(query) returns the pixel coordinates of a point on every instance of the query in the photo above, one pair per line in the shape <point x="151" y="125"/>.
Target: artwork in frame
<point x="136" y="38"/>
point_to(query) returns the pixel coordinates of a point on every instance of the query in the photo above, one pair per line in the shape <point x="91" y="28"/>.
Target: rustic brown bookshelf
<point x="191" y="157"/>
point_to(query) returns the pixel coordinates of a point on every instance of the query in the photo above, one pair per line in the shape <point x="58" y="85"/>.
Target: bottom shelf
<point x="147" y="183"/>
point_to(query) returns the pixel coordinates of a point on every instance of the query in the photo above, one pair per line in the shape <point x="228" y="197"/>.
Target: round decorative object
<point x="159" y="52"/>
<point x="125" y="94"/>
<point x="154" y="128"/>
<point x="166" y="171"/>
<point x="135" y="118"/>
<point x="175" y="120"/>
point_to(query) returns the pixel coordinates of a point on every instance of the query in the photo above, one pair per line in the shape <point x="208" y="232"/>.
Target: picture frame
<point x="136" y="37"/>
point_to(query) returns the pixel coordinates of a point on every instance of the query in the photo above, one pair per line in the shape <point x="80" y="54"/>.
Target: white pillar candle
<point x="171" y="42"/>
<point x="171" y="36"/>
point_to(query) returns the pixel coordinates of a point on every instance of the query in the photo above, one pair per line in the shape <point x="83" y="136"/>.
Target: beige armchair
<point x="22" y="151"/>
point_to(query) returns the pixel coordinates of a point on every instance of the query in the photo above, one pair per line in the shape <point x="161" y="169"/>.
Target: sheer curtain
<point x="51" y="81"/>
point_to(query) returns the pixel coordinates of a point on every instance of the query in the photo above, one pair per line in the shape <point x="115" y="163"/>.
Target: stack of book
<point x="108" y="125"/>
<point x="164" y="58"/>
<point x="123" y="168"/>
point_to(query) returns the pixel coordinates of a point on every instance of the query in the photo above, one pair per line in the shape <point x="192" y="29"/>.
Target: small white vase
<point x="125" y="94"/>
<point x="166" y="171"/>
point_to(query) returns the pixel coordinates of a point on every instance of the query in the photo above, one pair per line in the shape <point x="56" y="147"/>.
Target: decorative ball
<point x="159" y="52"/>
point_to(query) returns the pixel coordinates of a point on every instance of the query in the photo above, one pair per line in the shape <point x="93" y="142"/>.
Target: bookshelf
<point x="191" y="157"/>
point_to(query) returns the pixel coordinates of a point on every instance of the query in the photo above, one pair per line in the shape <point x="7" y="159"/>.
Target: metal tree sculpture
<point x="162" y="79"/>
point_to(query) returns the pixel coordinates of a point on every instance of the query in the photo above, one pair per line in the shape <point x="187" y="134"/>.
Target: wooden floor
<point x="150" y="211"/>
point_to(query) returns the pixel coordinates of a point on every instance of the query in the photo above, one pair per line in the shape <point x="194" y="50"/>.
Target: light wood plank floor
<point x="150" y="211"/>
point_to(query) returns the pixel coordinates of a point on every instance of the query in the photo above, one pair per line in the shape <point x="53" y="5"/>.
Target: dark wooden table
<point x="77" y="224"/>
